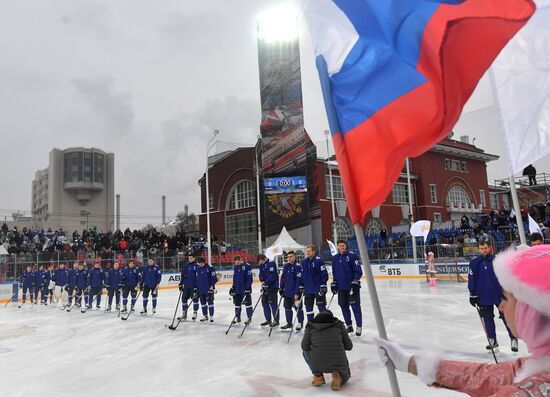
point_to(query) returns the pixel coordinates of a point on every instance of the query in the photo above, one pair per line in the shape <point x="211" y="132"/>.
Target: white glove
<point x="392" y="352"/>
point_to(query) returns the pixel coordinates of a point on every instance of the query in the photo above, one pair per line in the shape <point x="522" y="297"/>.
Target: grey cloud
<point x="113" y="109"/>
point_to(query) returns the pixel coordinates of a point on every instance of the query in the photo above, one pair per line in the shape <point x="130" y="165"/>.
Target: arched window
<point x="243" y="195"/>
<point x="458" y="196"/>
<point x="344" y="229"/>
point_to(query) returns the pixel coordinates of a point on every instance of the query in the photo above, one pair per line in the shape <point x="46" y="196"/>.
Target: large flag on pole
<point x="521" y="81"/>
<point x="395" y="76"/>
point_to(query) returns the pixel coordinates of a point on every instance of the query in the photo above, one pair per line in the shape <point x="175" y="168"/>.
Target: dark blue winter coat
<point x="242" y="278"/>
<point x="151" y="276"/>
<point x="61" y="277"/>
<point x="483" y="282"/>
<point x="130" y="277"/>
<point x="114" y="278"/>
<point x="82" y="277"/>
<point x="96" y="278"/>
<point x="345" y="269"/>
<point x="314" y="274"/>
<point x="188" y="277"/>
<point x="41" y="278"/>
<point x="28" y="279"/>
<point x="290" y="279"/>
<point x="206" y="278"/>
<point x="269" y="275"/>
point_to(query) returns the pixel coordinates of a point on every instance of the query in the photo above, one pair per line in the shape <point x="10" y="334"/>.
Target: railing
<point x="12" y="266"/>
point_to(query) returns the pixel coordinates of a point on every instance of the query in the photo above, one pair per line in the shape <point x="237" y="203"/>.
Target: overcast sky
<point x="149" y="81"/>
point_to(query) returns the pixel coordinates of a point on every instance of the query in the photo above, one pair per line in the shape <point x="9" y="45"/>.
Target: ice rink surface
<point x="47" y="352"/>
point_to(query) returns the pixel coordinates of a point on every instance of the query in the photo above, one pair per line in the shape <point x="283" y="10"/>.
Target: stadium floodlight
<point x="278" y="25"/>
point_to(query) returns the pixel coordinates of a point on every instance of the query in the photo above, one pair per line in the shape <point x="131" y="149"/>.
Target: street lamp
<point x="209" y="146"/>
<point x="327" y="136"/>
<point x="258" y="195"/>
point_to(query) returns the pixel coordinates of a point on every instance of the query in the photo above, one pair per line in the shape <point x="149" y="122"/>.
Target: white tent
<point x="3" y="250"/>
<point x="287" y="243"/>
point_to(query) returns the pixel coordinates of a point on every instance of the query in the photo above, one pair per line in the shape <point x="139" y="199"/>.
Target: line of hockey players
<point x="298" y="285"/>
<point x="63" y="285"/>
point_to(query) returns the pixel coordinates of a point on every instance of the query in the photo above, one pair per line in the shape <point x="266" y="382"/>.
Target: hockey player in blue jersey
<point x="71" y="284"/>
<point x="486" y="292"/>
<point x="131" y="278"/>
<point x="28" y="284"/>
<point x="206" y="285"/>
<point x="346" y="282"/>
<point x="269" y="277"/>
<point x="113" y="283"/>
<point x="96" y="283"/>
<point x="241" y="291"/>
<point x="50" y="285"/>
<point x="41" y="284"/>
<point x="82" y="278"/>
<point x="313" y="282"/>
<point x="150" y="282"/>
<point x="61" y="279"/>
<point x="289" y="290"/>
<point x="188" y="287"/>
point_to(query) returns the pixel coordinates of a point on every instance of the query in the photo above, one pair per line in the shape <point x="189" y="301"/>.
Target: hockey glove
<point x="323" y="290"/>
<point x="180" y="287"/>
<point x="301" y="290"/>
<point x="195" y="293"/>
<point x="211" y="293"/>
<point x="297" y="303"/>
<point x="334" y="287"/>
<point x="232" y="291"/>
<point x="66" y="288"/>
<point x="247" y="292"/>
<point x="108" y="288"/>
<point x="282" y="292"/>
<point x="264" y="288"/>
<point x="474" y="300"/>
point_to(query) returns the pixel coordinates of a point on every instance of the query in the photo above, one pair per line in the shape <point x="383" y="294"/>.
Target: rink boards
<point x="384" y="271"/>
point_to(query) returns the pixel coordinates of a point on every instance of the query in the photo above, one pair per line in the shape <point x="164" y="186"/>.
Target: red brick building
<point x="448" y="181"/>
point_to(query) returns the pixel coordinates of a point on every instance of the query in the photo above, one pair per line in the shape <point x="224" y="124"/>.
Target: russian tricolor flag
<point x="395" y="76"/>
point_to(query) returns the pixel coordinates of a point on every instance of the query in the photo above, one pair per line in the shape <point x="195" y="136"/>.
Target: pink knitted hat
<point x="526" y="274"/>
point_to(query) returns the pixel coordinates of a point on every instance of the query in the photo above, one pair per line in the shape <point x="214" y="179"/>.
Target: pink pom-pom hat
<point x="526" y="274"/>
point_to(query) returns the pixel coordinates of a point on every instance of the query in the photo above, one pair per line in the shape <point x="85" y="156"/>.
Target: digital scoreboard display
<point x="289" y="184"/>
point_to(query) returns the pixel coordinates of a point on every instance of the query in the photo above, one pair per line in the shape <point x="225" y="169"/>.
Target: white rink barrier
<point x="387" y="271"/>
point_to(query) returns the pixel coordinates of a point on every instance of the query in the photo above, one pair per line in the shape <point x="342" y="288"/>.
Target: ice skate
<point x="265" y="324"/>
<point x="358" y="331"/>
<point x="204" y="319"/>
<point x="350" y="329"/>
<point x="286" y="327"/>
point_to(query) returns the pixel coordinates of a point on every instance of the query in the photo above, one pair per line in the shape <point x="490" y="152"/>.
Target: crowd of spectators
<point x="497" y="227"/>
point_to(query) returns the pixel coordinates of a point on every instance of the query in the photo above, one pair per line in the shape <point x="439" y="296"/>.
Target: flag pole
<point x="375" y="303"/>
<point x="517" y="210"/>
<point x="411" y="216"/>
<point x="513" y="191"/>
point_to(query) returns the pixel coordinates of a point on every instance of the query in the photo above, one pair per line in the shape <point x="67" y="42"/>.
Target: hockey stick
<point x="486" y="334"/>
<point x="294" y="321"/>
<point x="82" y="293"/>
<point x="130" y="312"/>
<point x="276" y="315"/>
<point x="252" y="314"/>
<point x="330" y="302"/>
<point x="119" y="300"/>
<point x="171" y="327"/>
<point x="89" y="305"/>
<point x="13" y="296"/>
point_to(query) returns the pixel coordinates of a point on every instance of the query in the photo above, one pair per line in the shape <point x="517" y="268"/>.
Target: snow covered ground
<point x="48" y="352"/>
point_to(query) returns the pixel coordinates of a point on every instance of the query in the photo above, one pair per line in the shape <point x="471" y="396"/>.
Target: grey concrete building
<point x="76" y="190"/>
